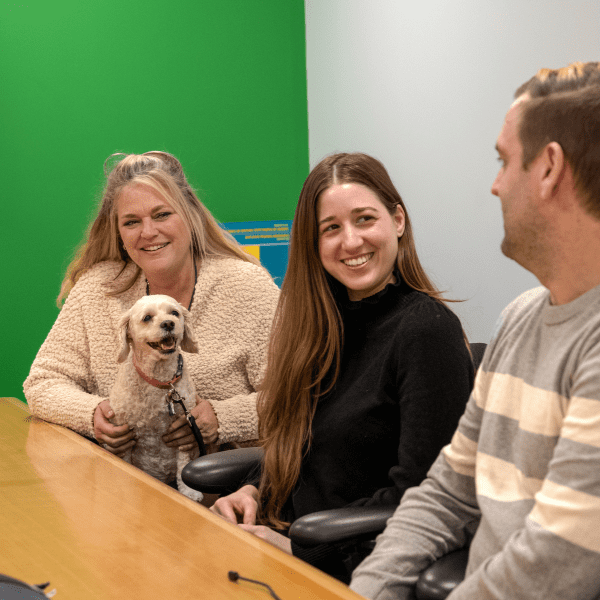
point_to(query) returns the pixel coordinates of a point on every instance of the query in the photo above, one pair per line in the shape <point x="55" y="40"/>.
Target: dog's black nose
<point x="168" y="325"/>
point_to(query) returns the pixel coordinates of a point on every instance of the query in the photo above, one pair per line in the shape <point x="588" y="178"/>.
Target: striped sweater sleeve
<point x="554" y="482"/>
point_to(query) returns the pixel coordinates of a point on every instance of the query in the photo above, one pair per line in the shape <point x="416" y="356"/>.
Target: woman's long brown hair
<point x="307" y="331"/>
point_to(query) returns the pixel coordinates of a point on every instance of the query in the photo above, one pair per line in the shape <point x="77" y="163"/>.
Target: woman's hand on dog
<point x="115" y="438"/>
<point x="179" y="435"/>
<point x="239" y="507"/>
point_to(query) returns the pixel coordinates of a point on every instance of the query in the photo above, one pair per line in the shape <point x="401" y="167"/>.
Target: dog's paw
<point x="194" y="495"/>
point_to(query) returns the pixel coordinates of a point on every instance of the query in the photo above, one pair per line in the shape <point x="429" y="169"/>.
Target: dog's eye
<point x="147" y="318"/>
<point x="175" y="313"/>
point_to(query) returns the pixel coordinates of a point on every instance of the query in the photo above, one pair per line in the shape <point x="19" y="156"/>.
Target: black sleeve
<point x="434" y="377"/>
<point x="329" y="558"/>
<point x="434" y="380"/>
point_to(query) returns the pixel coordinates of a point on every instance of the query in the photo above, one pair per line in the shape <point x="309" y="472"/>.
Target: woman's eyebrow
<point x="154" y="210"/>
<point x="353" y="211"/>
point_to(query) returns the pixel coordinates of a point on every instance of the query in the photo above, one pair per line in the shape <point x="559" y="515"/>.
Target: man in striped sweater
<point x="521" y="477"/>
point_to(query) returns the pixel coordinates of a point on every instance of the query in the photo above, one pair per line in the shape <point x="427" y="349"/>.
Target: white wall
<point x="424" y="87"/>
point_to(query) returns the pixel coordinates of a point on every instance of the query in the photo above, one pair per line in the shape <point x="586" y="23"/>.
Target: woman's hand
<point x="179" y="435"/>
<point x="115" y="438"/>
<point x="267" y="534"/>
<point x="239" y="507"/>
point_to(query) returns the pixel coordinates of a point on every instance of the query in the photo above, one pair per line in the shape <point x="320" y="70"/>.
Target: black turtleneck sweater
<point x="404" y="382"/>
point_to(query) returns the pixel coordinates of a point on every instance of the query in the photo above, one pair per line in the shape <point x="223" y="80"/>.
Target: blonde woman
<point x="153" y="236"/>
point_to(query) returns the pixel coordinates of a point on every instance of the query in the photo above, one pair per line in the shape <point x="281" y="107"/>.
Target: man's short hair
<point x="564" y="107"/>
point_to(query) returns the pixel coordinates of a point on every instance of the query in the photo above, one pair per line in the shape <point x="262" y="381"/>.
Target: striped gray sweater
<point x="522" y="471"/>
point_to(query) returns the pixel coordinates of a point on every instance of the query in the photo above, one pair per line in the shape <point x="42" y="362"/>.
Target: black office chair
<point x="437" y="581"/>
<point x="224" y="473"/>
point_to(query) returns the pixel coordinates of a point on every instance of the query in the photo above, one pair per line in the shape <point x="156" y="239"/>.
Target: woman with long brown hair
<point x="368" y="370"/>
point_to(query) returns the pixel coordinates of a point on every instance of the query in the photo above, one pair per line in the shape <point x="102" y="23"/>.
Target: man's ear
<point x="551" y="166"/>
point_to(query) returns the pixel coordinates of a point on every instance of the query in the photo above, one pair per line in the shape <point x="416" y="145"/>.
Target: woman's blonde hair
<point x="307" y="333"/>
<point x="164" y="173"/>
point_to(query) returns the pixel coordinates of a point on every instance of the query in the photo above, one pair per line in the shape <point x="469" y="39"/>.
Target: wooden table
<point x="95" y="527"/>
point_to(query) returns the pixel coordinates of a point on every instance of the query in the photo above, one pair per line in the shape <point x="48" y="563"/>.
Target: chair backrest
<point x="221" y="472"/>
<point x="439" y="579"/>
<point x="477" y="351"/>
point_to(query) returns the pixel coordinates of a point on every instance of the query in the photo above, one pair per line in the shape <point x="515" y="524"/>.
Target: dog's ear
<point x="188" y="343"/>
<point x="124" y="337"/>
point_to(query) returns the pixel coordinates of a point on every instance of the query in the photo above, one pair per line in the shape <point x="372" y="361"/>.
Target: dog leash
<point x="173" y="396"/>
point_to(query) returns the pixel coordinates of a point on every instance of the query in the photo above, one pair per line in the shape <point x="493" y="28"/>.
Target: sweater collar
<point x="388" y="294"/>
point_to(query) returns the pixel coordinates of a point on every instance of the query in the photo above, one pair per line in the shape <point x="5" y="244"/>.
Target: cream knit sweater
<point x="232" y="312"/>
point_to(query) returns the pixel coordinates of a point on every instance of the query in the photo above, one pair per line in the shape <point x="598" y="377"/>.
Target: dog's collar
<point x="163" y="385"/>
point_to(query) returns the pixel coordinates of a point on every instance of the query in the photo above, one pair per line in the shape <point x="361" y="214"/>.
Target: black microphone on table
<point x="235" y="576"/>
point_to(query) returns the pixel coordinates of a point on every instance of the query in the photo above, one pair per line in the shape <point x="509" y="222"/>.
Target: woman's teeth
<point x="355" y="262"/>
<point x="154" y="248"/>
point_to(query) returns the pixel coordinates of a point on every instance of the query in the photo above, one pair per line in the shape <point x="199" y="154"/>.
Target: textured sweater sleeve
<point x="250" y="300"/>
<point x="60" y="384"/>
<point x="232" y="311"/>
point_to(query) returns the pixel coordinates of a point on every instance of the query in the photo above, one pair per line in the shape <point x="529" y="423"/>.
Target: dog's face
<point x="156" y="324"/>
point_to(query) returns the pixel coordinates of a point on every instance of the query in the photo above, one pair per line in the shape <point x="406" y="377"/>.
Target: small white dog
<point x="155" y="328"/>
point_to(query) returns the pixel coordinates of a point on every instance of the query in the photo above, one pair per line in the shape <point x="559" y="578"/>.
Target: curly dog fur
<point x="152" y="333"/>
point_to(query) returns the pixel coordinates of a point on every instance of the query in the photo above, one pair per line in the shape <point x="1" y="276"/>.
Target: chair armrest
<point x="221" y="472"/>
<point x="437" y="581"/>
<point x="340" y="525"/>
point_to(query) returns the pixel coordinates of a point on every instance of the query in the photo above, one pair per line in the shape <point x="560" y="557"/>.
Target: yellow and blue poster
<point x="267" y="240"/>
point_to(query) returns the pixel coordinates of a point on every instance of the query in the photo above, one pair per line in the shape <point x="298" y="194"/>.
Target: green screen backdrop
<point x="219" y="83"/>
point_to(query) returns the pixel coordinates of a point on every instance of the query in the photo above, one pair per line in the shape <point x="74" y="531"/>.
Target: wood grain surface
<point x="97" y="528"/>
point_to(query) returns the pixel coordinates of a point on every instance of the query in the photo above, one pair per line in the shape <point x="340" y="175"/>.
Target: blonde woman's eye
<point x="162" y="215"/>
